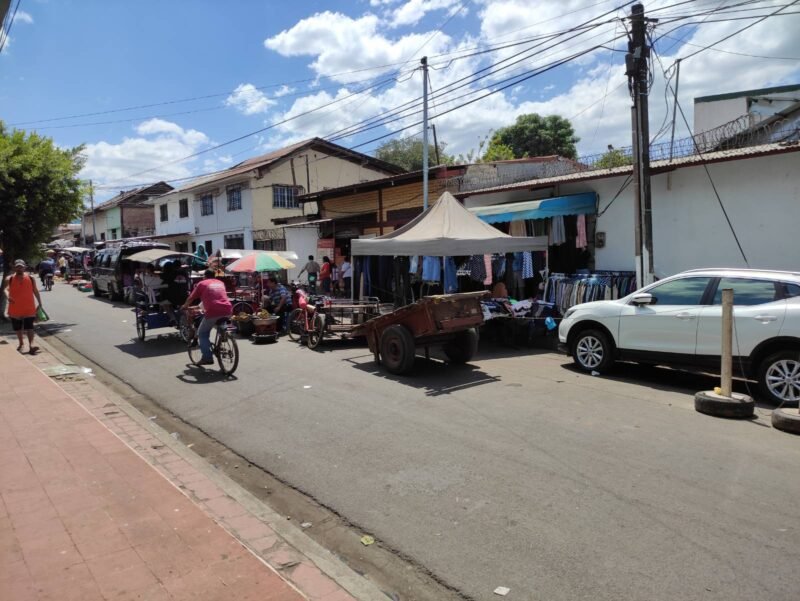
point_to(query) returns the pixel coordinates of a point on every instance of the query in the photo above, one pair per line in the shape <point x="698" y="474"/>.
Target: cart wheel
<point x="462" y="347"/>
<point x="296" y="325"/>
<point x="397" y="349"/>
<point x="317" y="331"/>
<point x="141" y="325"/>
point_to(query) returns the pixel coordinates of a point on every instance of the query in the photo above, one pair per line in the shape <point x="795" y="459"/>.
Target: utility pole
<point x="94" y="220"/>
<point x="637" y="69"/>
<point x="675" y="105"/>
<point x="424" y="62"/>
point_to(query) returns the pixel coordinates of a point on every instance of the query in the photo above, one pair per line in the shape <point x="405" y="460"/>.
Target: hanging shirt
<point x="450" y="277"/>
<point x="527" y="265"/>
<point x="477" y="268"/>
<point x="558" y="233"/>
<point x="487" y="265"/>
<point x="431" y="269"/>
<point x="580" y="239"/>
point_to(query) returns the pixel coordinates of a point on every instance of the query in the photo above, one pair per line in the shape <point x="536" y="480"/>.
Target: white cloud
<point x="283" y="91"/>
<point x="249" y="100"/>
<point x="342" y="44"/>
<point x="414" y="10"/>
<point x="23" y="17"/>
<point x="158" y="143"/>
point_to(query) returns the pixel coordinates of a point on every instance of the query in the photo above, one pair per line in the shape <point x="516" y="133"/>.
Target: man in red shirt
<point x="216" y="306"/>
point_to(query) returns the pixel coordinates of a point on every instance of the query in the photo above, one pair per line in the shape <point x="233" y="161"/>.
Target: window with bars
<point x="285" y="197"/>
<point x="207" y="205"/>
<point x="234" y="241"/>
<point x="273" y="244"/>
<point x="235" y="198"/>
<point x="164" y="212"/>
<point x="183" y="208"/>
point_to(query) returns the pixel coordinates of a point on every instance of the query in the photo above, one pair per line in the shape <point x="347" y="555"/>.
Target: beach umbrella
<point x="261" y="261"/>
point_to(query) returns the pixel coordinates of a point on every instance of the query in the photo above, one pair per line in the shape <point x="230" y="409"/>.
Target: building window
<point x="207" y="205"/>
<point x="103" y="236"/>
<point x="164" y="212"/>
<point x="182" y="247"/>
<point x="285" y="197"/>
<point x="114" y="234"/>
<point x="235" y="199"/>
<point x="209" y="247"/>
<point x="194" y="247"/>
<point x="183" y="208"/>
<point x="274" y="244"/>
<point x="235" y="241"/>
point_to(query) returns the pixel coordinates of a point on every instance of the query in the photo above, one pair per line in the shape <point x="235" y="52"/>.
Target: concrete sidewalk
<point x="94" y="504"/>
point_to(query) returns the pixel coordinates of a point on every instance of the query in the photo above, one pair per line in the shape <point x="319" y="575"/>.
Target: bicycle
<point x="307" y="323"/>
<point x="223" y="347"/>
<point x="48" y="281"/>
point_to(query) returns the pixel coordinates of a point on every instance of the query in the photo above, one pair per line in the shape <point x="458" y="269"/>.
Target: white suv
<point x="678" y="321"/>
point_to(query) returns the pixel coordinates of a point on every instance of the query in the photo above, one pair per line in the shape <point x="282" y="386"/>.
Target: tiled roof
<point x="129" y="196"/>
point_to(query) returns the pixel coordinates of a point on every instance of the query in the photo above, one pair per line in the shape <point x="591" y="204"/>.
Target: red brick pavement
<point x="86" y="515"/>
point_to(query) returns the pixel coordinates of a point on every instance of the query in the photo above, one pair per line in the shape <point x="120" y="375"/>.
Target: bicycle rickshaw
<point x="319" y="317"/>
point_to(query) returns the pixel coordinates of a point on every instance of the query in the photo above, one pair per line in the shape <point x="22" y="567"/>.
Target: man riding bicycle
<point x="212" y="294"/>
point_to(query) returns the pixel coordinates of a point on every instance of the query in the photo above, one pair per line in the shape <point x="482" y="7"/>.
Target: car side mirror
<point x="643" y="298"/>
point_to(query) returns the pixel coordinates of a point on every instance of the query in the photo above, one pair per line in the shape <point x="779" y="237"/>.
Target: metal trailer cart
<point x="333" y="318"/>
<point x="449" y="320"/>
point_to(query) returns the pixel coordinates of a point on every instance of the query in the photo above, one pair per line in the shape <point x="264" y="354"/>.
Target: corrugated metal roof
<point x="655" y="167"/>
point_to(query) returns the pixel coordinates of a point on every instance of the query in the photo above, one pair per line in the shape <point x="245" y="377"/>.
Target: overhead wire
<point x="10" y="23"/>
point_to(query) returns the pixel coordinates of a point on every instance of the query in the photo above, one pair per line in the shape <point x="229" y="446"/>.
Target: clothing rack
<point x="567" y="290"/>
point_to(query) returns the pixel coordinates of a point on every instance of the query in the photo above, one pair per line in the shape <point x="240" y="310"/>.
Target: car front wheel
<point x="592" y="351"/>
<point x="779" y="377"/>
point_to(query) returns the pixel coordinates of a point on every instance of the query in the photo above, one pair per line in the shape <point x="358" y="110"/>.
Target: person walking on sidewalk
<point x="214" y="296"/>
<point x="312" y="268"/>
<point x="23" y="300"/>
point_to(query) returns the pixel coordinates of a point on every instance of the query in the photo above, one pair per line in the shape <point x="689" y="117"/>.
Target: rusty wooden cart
<point x="449" y="320"/>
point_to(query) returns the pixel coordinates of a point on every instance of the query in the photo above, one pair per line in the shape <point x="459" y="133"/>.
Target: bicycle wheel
<point x="317" y="331"/>
<point x="227" y="353"/>
<point x="185" y="328"/>
<point x="141" y="324"/>
<point x="297" y="325"/>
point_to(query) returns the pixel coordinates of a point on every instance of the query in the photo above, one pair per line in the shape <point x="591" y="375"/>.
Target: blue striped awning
<point x="575" y="204"/>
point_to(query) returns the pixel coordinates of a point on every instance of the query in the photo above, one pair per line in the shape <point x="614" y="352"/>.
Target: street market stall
<point x="445" y="230"/>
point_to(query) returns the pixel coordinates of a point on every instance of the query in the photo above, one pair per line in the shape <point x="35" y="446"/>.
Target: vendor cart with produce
<point x="448" y="320"/>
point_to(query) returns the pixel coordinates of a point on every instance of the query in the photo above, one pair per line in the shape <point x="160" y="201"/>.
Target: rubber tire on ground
<point x="141" y="326"/>
<point x="397" y="349"/>
<point x="113" y="294"/>
<point x="95" y="290"/>
<point x="785" y="421"/>
<point x="712" y="404"/>
<point x="317" y="331"/>
<point x="607" y="359"/>
<point x="762" y="371"/>
<point x="296" y="325"/>
<point x="230" y="342"/>
<point x="462" y="347"/>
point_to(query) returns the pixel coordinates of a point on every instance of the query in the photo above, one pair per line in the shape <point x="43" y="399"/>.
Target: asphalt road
<point x="515" y="471"/>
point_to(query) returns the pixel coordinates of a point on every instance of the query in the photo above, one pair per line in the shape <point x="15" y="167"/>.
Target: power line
<point x="9" y="26"/>
<point x="777" y="58"/>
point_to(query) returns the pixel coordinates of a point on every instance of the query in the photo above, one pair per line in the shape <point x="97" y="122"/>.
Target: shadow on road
<point x="435" y="377"/>
<point x="196" y="374"/>
<point x="164" y="344"/>
<point x="674" y="380"/>
<point x="51" y="328"/>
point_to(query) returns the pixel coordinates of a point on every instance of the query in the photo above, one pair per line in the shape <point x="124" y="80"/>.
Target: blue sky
<point x="267" y="61"/>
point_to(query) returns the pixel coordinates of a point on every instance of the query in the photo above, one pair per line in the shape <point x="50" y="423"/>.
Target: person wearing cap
<point x="23" y="300"/>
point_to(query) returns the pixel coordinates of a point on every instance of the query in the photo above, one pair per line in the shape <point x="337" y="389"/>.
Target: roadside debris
<point x="367" y="540"/>
<point x="65" y="370"/>
<point x="305" y="525"/>
<point x="175" y="435"/>
<point x="595" y="373"/>
<point x="306" y="387"/>
<point x="502" y="591"/>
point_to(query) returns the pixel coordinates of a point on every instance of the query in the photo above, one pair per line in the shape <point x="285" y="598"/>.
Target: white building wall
<point x="223" y="222"/>
<point x="303" y="241"/>
<point x="175" y="224"/>
<point x="708" y="115"/>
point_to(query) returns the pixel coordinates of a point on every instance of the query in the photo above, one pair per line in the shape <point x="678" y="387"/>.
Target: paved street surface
<point x="514" y="471"/>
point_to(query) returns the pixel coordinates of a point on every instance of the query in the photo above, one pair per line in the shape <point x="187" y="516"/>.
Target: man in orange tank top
<point x="23" y="299"/>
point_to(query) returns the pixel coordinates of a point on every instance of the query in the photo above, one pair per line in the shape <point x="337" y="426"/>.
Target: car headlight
<point x="570" y="312"/>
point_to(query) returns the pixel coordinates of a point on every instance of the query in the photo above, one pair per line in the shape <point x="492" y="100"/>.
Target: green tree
<point x="407" y="153"/>
<point x="613" y="158"/>
<point x="497" y="151"/>
<point x="39" y="190"/>
<point x="533" y="136"/>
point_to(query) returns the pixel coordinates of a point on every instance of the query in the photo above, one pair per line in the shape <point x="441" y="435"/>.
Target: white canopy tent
<point x="447" y="229"/>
